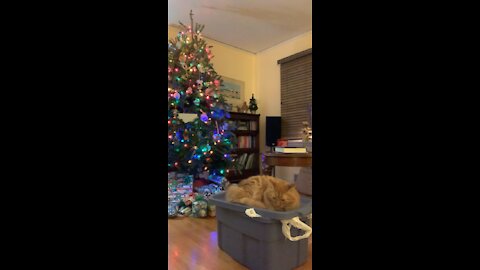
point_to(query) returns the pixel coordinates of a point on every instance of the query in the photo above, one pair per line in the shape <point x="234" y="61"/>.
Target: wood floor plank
<point x="192" y="245"/>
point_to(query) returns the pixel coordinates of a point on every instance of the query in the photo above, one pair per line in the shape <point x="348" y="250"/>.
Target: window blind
<point x="296" y="92"/>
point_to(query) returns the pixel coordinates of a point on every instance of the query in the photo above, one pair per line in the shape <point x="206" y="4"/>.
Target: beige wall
<point x="268" y="85"/>
<point x="261" y="75"/>
<point x="230" y="62"/>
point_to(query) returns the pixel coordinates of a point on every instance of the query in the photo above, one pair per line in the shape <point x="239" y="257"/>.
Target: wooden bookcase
<point x="248" y="145"/>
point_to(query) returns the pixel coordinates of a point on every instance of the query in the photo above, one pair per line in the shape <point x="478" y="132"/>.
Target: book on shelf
<point x="242" y="125"/>
<point x="242" y="161"/>
<point x="290" y="142"/>
<point x="294" y="142"/>
<point x="291" y="149"/>
<point x="250" y="160"/>
<point x="232" y="125"/>
<point x="246" y="142"/>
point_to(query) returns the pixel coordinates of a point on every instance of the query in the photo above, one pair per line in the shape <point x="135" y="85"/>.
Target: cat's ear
<point x="291" y="185"/>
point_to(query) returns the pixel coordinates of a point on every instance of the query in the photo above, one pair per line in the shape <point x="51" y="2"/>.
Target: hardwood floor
<point x="192" y="245"/>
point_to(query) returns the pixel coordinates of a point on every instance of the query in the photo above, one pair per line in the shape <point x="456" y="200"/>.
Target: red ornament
<point x="208" y="91"/>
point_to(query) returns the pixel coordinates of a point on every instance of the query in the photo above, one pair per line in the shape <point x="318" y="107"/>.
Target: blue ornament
<point x="204" y="117"/>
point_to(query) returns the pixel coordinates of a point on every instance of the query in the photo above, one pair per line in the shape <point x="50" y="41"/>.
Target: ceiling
<point x="251" y="25"/>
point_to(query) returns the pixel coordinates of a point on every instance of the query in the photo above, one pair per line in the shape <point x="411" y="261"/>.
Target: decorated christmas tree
<point x="199" y="138"/>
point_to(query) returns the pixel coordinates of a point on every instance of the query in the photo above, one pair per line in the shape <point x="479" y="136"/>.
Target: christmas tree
<point x="204" y="144"/>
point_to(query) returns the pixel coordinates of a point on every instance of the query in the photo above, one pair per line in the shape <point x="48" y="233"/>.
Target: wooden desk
<point x="270" y="160"/>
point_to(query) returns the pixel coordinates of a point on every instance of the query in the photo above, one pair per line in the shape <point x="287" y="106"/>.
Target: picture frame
<point x="233" y="91"/>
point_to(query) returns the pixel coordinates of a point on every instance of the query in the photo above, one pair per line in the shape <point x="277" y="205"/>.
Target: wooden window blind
<point x="296" y="93"/>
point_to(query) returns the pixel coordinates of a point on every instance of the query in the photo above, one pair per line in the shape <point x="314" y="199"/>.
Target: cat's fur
<point x="263" y="191"/>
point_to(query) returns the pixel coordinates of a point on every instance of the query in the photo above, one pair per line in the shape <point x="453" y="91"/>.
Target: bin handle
<point x="251" y="213"/>
<point x="287" y="225"/>
<point x="297" y="223"/>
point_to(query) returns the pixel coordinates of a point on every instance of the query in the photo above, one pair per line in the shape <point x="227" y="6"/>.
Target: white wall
<point x="267" y="90"/>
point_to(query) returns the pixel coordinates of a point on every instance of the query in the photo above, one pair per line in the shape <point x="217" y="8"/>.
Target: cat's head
<point x="291" y="198"/>
<point x="286" y="197"/>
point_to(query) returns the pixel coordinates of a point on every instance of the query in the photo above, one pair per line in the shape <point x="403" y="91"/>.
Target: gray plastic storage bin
<point x="259" y="243"/>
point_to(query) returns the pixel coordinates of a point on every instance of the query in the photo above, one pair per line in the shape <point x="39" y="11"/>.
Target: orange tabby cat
<point x="263" y="191"/>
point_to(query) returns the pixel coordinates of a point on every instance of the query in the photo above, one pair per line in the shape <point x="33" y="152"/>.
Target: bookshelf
<point x="247" y="153"/>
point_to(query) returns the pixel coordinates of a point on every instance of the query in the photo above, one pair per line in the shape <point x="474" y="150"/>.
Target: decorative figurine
<point x="307" y="136"/>
<point x="253" y="105"/>
<point x="244" y="108"/>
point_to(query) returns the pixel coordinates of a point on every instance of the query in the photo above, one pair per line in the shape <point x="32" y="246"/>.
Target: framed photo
<point x="233" y="91"/>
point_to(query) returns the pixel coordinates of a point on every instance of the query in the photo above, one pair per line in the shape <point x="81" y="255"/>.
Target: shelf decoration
<point x="253" y="105"/>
